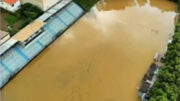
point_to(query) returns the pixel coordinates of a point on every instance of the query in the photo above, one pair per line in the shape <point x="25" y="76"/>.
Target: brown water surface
<point x="102" y="57"/>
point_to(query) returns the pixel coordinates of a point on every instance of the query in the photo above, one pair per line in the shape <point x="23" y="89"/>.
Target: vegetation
<point x="18" y="20"/>
<point x="12" y="31"/>
<point x="28" y="12"/>
<point x="175" y="0"/>
<point x="167" y="86"/>
<point x="87" y="4"/>
<point x="11" y="19"/>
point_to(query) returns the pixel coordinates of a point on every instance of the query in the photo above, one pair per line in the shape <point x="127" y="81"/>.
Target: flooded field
<point x="102" y="57"/>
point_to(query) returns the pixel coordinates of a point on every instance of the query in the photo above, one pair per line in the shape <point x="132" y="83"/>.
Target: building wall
<point x="38" y="3"/>
<point x="48" y="3"/>
<point x="43" y="4"/>
<point x="11" y="8"/>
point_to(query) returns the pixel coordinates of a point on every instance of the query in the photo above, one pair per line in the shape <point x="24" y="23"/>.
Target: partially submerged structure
<point x="149" y="79"/>
<point x="19" y="50"/>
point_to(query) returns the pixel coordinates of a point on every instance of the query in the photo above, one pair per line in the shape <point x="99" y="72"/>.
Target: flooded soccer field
<point x="102" y="57"/>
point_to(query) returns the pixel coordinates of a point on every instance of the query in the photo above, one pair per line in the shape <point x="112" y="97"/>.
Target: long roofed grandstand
<point x="22" y="48"/>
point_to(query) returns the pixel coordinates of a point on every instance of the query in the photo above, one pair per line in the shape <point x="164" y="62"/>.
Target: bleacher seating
<point x="18" y="56"/>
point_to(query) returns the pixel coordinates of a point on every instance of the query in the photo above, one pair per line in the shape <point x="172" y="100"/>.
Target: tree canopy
<point x="87" y="4"/>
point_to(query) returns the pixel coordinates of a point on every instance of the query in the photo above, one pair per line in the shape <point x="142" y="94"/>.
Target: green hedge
<point x="175" y="0"/>
<point x="87" y="4"/>
<point x="27" y="13"/>
<point x="11" y="19"/>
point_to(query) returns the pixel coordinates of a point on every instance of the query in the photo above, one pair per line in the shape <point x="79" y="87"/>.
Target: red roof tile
<point x="10" y="1"/>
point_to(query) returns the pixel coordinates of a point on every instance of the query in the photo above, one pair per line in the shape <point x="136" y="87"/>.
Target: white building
<point x="43" y="4"/>
<point x="10" y="5"/>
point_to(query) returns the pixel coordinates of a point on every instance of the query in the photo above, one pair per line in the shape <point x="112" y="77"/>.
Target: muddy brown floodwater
<point x="102" y="57"/>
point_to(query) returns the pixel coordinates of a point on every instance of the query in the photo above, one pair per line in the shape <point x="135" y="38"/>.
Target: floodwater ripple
<point x="102" y="57"/>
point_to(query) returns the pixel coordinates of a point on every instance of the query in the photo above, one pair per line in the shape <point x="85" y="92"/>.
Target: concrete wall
<point x="49" y="3"/>
<point x="43" y="4"/>
<point x="4" y="39"/>
<point x="38" y="3"/>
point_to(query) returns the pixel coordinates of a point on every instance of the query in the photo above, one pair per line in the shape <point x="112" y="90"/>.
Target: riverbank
<point x="167" y="86"/>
